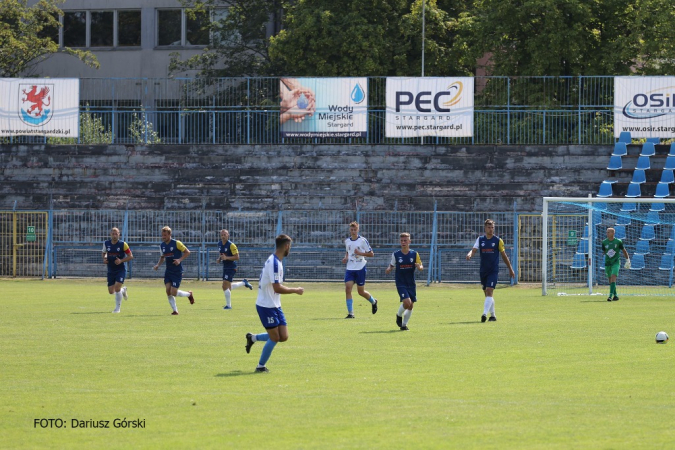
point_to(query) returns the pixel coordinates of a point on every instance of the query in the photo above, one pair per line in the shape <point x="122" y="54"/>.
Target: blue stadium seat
<point x="599" y="207"/>
<point x="637" y="262"/>
<point x="666" y="262"/>
<point x="643" y="162"/>
<point x="633" y="190"/>
<point x="605" y="189"/>
<point x="667" y="176"/>
<point x="623" y="220"/>
<point x="653" y="217"/>
<point x="654" y="140"/>
<point x="647" y="233"/>
<point x="625" y="137"/>
<point x="628" y="207"/>
<point x="585" y="235"/>
<point x="662" y="190"/>
<point x="579" y="261"/>
<point x="620" y="149"/>
<point x="642" y="248"/>
<point x="670" y="163"/>
<point x="583" y="246"/>
<point x="670" y="248"/>
<point x="614" y="163"/>
<point x="620" y="231"/>
<point x="639" y="176"/>
<point x="672" y="234"/>
<point x="648" y="149"/>
<point x="657" y="206"/>
<point x="672" y="149"/>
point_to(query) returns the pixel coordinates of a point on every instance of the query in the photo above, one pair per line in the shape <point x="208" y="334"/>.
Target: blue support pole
<point x="579" y="111"/>
<point x="279" y="222"/>
<point x="514" y="259"/>
<point x="50" y="239"/>
<point x="124" y="237"/>
<point x="508" y="110"/>
<point x="433" y="250"/>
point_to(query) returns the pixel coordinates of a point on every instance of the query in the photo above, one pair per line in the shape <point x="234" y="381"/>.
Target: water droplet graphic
<point x="357" y="94"/>
<point x="302" y="102"/>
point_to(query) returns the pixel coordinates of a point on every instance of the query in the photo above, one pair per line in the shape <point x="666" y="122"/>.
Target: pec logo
<point x="406" y="98"/>
<point x="35" y="103"/>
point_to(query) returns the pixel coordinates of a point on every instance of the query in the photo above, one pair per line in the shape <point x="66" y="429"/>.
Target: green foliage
<point x="27" y="36"/>
<point x="141" y="129"/>
<point x="553" y="372"/>
<point x="92" y="131"/>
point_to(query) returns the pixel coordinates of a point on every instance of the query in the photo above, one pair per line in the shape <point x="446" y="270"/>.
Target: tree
<point x="27" y="36"/>
<point x="239" y="37"/>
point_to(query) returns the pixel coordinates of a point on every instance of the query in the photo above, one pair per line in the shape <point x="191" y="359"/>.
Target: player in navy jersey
<point x="405" y="261"/>
<point x="115" y="254"/>
<point x="228" y="257"/>
<point x="490" y="247"/>
<point x="174" y="252"/>
<point x="357" y="248"/>
<point x="268" y="303"/>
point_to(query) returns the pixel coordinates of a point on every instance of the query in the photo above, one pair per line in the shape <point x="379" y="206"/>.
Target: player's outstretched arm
<point x="281" y="289"/>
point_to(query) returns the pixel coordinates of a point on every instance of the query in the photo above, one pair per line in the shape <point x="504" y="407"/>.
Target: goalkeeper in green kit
<point x="611" y="247"/>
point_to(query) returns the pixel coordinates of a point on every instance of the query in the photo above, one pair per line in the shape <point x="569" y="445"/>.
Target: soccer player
<point x="611" y="247"/>
<point x="229" y="255"/>
<point x="405" y="261"/>
<point x="490" y="247"/>
<point x="115" y="254"/>
<point x="357" y="249"/>
<point x="269" y="302"/>
<point x="174" y="252"/>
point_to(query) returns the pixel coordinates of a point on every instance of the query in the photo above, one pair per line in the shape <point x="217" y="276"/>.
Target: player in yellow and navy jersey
<point x="174" y="252"/>
<point x="490" y="247"/>
<point x="115" y="254"/>
<point x="228" y="257"/>
<point x="405" y="261"/>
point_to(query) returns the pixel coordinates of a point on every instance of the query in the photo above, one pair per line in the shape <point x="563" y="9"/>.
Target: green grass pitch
<point x="553" y="372"/>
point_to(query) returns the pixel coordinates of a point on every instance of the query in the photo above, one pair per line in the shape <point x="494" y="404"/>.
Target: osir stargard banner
<point x="323" y="107"/>
<point x="39" y="107"/>
<point x="644" y="106"/>
<point x="429" y="107"/>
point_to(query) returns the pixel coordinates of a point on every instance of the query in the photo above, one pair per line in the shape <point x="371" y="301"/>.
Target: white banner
<point x="39" y="107"/>
<point x="429" y="107"/>
<point x="645" y="106"/>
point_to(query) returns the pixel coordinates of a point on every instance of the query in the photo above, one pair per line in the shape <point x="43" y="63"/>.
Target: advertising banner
<point x="323" y="107"/>
<point x="39" y="107"/>
<point x="645" y="106"/>
<point x="429" y="107"/>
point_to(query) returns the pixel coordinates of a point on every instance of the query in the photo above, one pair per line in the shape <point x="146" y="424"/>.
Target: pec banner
<point x="429" y="107"/>
<point x="39" y="107"/>
<point x="644" y="106"/>
<point x="323" y="107"/>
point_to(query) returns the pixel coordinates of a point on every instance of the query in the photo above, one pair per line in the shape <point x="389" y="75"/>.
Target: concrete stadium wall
<point x="249" y="177"/>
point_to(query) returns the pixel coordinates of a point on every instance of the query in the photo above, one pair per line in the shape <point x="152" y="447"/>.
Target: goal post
<point x="573" y="229"/>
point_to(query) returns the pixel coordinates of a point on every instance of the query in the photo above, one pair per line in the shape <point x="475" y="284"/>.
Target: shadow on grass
<point x="234" y="373"/>
<point x="92" y="312"/>
<point x="380" y="332"/>
<point x="464" y="323"/>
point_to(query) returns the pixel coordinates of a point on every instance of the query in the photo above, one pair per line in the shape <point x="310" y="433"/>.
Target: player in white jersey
<point x="269" y="302"/>
<point x="357" y="249"/>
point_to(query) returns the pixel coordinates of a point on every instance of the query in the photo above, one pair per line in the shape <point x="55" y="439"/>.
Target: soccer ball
<point x="661" y="337"/>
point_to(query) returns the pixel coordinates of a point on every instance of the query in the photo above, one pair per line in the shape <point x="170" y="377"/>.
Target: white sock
<point x="182" y="294"/>
<point x="237" y="284"/>
<point x="492" y="306"/>
<point x="253" y="338"/>
<point x="172" y="302"/>
<point x="228" y="297"/>
<point x="486" y="307"/>
<point x="118" y="300"/>
<point x="401" y="310"/>
<point x="406" y="316"/>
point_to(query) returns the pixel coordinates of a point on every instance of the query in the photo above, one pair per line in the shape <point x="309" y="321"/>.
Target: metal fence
<point x="508" y="110"/>
<point x="71" y="241"/>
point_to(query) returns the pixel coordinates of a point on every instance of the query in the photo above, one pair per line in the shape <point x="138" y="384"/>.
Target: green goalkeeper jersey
<point x="612" y="250"/>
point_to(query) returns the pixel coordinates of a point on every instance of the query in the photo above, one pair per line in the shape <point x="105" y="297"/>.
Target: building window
<point x="197" y="32"/>
<point x="75" y="29"/>
<point x="101" y="28"/>
<point x="169" y="26"/>
<point x="129" y="28"/>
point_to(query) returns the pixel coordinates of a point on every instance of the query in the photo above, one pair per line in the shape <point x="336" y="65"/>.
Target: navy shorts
<point x="357" y="276"/>
<point x="489" y="280"/>
<point x="116" y="277"/>
<point x="228" y="274"/>
<point x="407" y="292"/>
<point x="173" y="278"/>
<point x="271" y="317"/>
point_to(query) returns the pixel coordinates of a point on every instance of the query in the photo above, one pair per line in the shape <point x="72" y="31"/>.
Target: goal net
<point x="572" y="233"/>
